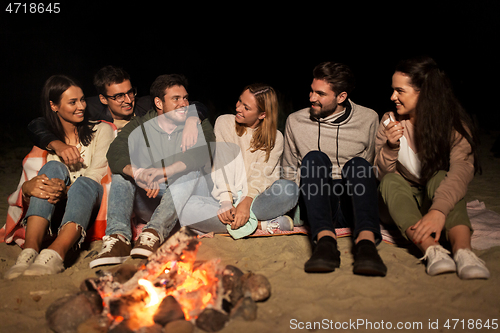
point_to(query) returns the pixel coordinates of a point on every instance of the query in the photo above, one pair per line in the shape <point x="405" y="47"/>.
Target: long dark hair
<point x="438" y="115"/>
<point x="52" y="91"/>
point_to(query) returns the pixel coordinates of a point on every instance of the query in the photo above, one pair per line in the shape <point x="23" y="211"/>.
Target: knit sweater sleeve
<point x="385" y="156"/>
<point x="372" y="131"/>
<point x="228" y="160"/>
<point x="98" y="165"/>
<point x="262" y="174"/>
<point x="291" y="160"/>
<point x="454" y="186"/>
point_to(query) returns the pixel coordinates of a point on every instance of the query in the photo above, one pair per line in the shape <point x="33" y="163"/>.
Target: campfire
<point x="171" y="289"/>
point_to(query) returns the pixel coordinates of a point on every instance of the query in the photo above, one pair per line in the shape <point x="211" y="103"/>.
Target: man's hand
<point x="190" y="133"/>
<point x="150" y="180"/>
<point x="69" y="154"/>
<point x="42" y="187"/>
<point x="430" y="223"/>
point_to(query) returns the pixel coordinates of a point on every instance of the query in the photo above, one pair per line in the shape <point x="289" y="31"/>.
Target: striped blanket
<point x="13" y="231"/>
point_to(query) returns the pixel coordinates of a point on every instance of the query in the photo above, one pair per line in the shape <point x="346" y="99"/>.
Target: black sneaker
<point x="147" y="244"/>
<point x="325" y="257"/>
<point x="367" y="261"/>
<point x="115" y="250"/>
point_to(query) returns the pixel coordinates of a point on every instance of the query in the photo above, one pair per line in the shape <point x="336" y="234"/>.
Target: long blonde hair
<point x="264" y="136"/>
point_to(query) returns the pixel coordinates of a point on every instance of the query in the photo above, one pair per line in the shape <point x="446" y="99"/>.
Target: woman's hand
<point x="42" y="187"/>
<point x="394" y="131"/>
<point x="242" y="213"/>
<point x="430" y="223"/>
<point x="226" y="212"/>
<point x="190" y="133"/>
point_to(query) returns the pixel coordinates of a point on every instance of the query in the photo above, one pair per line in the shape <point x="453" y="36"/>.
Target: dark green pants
<point x="407" y="204"/>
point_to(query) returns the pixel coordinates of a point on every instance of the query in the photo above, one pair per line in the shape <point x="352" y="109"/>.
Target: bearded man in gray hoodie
<point x="328" y="152"/>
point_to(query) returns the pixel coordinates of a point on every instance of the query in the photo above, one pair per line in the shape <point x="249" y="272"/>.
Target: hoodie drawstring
<point x="336" y="141"/>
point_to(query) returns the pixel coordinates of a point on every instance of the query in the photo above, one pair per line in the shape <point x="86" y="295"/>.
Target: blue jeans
<point x="200" y="212"/>
<point x="161" y="212"/>
<point x="83" y="197"/>
<point x="350" y="202"/>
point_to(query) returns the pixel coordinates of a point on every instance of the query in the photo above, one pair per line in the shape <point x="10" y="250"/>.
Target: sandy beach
<point x="407" y="299"/>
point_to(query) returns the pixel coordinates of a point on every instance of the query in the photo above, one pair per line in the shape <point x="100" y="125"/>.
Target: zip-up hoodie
<point x="341" y="136"/>
<point x="163" y="146"/>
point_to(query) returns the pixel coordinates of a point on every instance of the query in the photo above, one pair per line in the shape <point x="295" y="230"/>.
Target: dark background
<point x="222" y="48"/>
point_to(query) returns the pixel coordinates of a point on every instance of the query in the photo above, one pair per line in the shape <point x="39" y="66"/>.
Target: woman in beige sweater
<point x="246" y="176"/>
<point x="426" y="156"/>
<point x="78" y="186"/>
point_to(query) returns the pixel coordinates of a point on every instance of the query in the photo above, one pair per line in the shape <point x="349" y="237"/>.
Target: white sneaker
<point x="48" y="262"/>
<point x="24" y="260"/>
<point x="438" y="260"/>
<point x="469" y="266"/>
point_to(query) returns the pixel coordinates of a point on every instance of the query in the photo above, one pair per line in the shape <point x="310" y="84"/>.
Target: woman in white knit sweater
<point x="78" y="186"/>
<point x="247" y="167"/>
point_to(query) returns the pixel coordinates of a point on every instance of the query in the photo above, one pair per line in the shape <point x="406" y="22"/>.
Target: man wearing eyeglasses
<point x="116" y="103"/>
<point x="152" y="177"/>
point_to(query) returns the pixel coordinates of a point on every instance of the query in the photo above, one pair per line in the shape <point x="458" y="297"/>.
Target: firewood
<point x="246" y="308"/>
<point x="211" y="320"/>
<point x="256" y="286"/>
<point x="67" y="313"/>
<point x="169" y="310"/>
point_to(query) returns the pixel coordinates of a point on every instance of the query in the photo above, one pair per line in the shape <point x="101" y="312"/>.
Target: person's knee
<point x="54" y="169"/>
<point x="315" y="164"/>
<point x="358" y="167"/>
<point x="390" y="179"/>
<point x="316" y="157"/>
<point x="436" y="179"/>
<point x="358" y="161"/>
<point x="121" y="184"/>
<point x="118" y="178"/>
<point x="390" y="182"/>
<point x="288" y="188"/>
<point x="86" y="185"/>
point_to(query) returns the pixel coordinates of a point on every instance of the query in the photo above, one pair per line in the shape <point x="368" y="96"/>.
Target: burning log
<point x="179" y="326"/>
<point x="246" y="308"/>
<point x="231" y="282"/>
<point x="170" y="292"/>
<point x="182" y="246"/>
<point x="169" y="310"/>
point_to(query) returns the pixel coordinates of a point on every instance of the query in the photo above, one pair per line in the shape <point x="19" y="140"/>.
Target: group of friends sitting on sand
<point x="337" y="165"/>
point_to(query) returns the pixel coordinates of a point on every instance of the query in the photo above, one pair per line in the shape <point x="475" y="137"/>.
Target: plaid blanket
<point x="13" y="231"/>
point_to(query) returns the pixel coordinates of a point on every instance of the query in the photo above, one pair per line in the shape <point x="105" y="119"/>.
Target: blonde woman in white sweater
<point x="246" y="169"/>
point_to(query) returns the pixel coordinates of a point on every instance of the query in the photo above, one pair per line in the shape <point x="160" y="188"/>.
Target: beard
<point x="323" y="111"/>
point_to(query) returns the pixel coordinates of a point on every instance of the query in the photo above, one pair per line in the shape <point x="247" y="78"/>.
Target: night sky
<point x="221" y="49"/>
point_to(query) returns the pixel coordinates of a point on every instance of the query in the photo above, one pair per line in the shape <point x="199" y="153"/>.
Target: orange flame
<point x="153" y="295"/>
<point x="193" y="294"/>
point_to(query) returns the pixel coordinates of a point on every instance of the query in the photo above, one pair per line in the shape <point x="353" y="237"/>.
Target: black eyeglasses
<point x="121" y="96"/>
